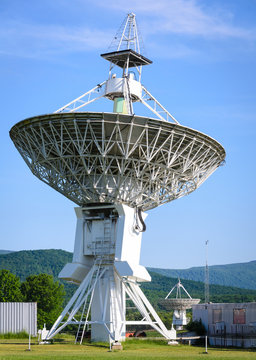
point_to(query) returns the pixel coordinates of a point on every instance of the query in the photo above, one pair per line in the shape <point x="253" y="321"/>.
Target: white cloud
<point x="157" y="20"/>
<point x="185" y="17"/>
<point x="32" y="41"/>
<point x="175" y="51"/>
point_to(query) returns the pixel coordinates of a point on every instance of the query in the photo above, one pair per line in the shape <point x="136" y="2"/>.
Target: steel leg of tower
<point x="74" y="304"/>
<point x="108" y="307"/>
<point x="149" y="314"/>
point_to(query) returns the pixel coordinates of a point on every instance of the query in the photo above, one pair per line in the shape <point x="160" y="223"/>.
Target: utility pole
<point x="206" y="279"/>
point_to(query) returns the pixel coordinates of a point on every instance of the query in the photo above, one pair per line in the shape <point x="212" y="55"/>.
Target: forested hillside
<point x="5" y="251"/>
<point x="161" y="285"/>
<point x="239" y="275"/>
<point x="25" y="263"/>
<point x="34" y="262"/>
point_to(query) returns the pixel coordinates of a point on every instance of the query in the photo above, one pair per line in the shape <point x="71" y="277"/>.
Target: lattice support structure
<point x="85" y="99"/>
<point x="116" y="158"/>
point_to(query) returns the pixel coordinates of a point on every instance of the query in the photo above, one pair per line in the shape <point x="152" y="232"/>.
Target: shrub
<point x="197" y="326"/>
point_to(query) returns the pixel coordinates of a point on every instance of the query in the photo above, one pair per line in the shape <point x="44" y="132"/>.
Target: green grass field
<point x="133" y="349"/>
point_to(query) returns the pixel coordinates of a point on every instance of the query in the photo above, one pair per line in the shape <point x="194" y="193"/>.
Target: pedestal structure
<point x="106" y="267"/>
<point x="179" y="319"/>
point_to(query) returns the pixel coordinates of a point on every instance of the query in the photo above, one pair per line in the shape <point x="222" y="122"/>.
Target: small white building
<point x="228" y="324"/>
<point x="18" y="316"/>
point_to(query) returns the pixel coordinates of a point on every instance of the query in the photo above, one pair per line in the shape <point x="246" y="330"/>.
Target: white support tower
<point x="106" y="267"/>
<point x="114" y="166"/>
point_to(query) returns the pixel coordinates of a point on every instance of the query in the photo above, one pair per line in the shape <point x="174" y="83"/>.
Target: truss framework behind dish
<point x="92" y="158"/>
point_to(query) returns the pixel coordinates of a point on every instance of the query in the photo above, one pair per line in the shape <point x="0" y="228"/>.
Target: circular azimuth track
<point x="116" y="158"/>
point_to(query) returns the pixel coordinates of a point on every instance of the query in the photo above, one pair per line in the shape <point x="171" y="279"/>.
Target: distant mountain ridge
<point x="242" y="275"/>
<point x="6" y="251"/>
<point x="25" y="263"/>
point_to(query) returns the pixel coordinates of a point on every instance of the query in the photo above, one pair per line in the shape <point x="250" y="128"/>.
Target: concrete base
<point x="173" y="342"/>
<point x="117" y="346"/>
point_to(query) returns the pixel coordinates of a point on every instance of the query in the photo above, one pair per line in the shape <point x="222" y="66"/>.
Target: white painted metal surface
<point x="106" y="232"/>
<point x="18" y="316"/>
<point x="115" y="87"/>
<point x="107" y="238"/>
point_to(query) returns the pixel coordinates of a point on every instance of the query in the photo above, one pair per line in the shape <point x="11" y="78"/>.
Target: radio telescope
<point x="114" y="166"/>
<point x="179" y="304"/>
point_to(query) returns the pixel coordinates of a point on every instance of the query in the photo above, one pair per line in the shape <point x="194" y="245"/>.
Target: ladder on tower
<point x="103" y="246"/>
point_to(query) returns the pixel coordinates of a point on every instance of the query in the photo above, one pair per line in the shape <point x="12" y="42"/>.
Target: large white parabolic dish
<point x="114" y="166"/>
<point x="94" y="157"/>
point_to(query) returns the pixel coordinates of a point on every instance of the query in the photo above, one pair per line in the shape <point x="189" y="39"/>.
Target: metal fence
<point x="18" y="316"/>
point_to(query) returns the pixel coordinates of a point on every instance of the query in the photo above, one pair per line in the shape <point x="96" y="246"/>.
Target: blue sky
<point x="203" y="72"/>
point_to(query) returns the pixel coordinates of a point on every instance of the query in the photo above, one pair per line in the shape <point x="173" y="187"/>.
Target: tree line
<point x="42" y="289"/>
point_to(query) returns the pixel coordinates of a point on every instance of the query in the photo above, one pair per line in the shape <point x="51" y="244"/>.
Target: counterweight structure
<point x="114" y="166"/>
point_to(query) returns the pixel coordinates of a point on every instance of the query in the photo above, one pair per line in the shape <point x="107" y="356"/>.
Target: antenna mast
<point x="206" y="279"/>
